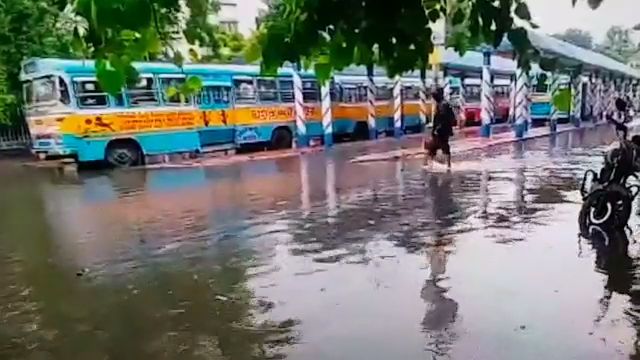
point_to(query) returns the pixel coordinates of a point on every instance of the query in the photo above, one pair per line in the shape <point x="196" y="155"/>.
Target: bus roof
<point x="39" y="66"/>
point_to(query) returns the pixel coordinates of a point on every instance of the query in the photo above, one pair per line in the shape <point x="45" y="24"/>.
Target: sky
<point x="558" y="15"/>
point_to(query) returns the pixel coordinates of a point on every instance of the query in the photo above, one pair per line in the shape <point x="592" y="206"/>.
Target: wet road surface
<point x="315" y="258"/>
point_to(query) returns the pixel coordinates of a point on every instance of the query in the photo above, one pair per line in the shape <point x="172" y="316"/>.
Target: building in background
<point x="239" y="15"/>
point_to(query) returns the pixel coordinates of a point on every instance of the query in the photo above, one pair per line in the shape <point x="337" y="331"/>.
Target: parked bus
<point x="541" y="99"/>
<point x="69" y="115"/>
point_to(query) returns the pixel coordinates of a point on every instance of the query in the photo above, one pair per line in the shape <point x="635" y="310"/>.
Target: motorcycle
<point x="607" y="202"/>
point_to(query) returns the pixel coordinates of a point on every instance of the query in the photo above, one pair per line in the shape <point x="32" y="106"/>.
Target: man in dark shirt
<point x="442" y="129"/>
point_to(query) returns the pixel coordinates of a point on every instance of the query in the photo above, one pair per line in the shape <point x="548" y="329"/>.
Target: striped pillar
<point x="327" y="116"/>
<point x="599" y="99"/>
<point x="397" y="107"/>
<point x="553" y="91"/>
<point x="576" y="100"/>
<point x="513" y="88"/>
<point x="589" y="106"/>
<point x="529" y="123"/>
<point x="486" y="93"/>
<point x="302" y="139"/>
<point x="521" y="103"/>
<point x="636" y="95"/>
<point x="447" y="86"/>
<point x="423" y="97"/>
<point x="609" y="102"/>
<point x="371" y="104"/>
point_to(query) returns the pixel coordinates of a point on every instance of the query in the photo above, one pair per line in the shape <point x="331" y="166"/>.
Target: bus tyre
<point x="123" y="154"/>
<point x="281" y="139"/>
<point x="608" y="208"/>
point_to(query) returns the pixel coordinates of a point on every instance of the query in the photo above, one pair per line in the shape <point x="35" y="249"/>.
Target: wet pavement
<point x="314" y="257"/>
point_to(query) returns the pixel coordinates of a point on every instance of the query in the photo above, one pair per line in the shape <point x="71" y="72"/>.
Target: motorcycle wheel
<point x="607" y="208"/>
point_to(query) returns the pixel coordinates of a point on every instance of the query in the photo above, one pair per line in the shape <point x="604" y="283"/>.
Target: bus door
<point x="219" y="124"/>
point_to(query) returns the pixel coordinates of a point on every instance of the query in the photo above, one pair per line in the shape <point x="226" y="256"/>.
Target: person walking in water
<point x="441" y="131"/>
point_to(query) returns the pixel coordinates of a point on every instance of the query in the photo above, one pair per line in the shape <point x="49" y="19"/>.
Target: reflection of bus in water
<point x="107" y="217"/>
<point x="68" y="113"/>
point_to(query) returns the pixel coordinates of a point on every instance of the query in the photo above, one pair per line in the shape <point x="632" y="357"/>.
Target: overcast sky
<point x="558" y="15"/>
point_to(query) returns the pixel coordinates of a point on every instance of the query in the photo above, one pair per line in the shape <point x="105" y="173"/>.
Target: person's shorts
<point x="437" y="143"/>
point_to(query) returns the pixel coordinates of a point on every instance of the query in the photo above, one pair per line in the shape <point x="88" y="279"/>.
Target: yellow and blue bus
<point x="69" y="115"/>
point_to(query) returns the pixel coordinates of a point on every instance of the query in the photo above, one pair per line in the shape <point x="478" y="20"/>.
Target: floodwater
<point x="315" y="258"/>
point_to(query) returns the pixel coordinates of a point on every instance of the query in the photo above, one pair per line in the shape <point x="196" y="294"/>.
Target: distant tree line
<point x="618" y="42"/>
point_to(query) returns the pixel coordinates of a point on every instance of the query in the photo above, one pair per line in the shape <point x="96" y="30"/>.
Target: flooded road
<point x="316" y="258"/>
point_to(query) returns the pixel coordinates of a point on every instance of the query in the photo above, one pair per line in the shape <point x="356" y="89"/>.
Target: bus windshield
<point x="45" y="90"/>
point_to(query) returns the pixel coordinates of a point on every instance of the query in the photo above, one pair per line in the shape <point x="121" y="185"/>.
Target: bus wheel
<point x="281" y="139"/>
<point x="123" y="153"/>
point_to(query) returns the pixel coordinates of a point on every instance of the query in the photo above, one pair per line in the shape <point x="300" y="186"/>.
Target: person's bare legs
<point x="448" y="157"/>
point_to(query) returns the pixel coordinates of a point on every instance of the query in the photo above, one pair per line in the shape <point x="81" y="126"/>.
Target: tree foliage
<point x="577" y="37"/>
<point x="27" y="28"/>
<point x="618" y="44"/>
<point x="396" y="34"/>
<point x="120" y="32"/>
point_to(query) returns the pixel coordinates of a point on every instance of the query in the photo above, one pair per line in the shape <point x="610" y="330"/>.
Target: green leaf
<point x="594" y="4"/>
<point x="522" y="11"/>
<point x="171" y="91"/>
<point x="434" y="15"/>
<point x="112" y="81"/>
<point x="548" y="64"/>
<point x="458" y="17"/>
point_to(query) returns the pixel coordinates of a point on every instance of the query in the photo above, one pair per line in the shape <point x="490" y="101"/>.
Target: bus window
<point x="350" y="94"/>
<point x="310" y="91"/>
<point x="214" y="95"/>
<point x="167" y="83"/>
<point x="245" y="91"/>
<point x="65" y="97"/>
<point x="27" y="92"/>
<point x="472" y="93"/>
<point x="44" y="89"/>
<point x="384" y="92"/>
<point x="286" y="90"/>
<point x="267" y="90"/>
<point x="89" y="94"/>
<point x="143" y="93"/>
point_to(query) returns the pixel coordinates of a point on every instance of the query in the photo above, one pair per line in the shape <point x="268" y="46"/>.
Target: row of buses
<point x="69" y="115"/>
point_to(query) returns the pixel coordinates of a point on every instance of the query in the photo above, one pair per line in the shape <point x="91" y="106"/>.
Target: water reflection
<point x="164" y="307"/>
<point x="309" y="257"/>
<point x="441" y="311"/>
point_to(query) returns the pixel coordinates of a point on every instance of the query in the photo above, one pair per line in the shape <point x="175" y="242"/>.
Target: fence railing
<point x="14" y="136"/>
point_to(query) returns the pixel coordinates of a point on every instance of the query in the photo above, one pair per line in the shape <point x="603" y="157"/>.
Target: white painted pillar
<point x="327" y="116"/>
<point x="597" y="91"/>
<point x="423" y="97"/>
<point x="486" y="101"/>
<point x="302" y="139"/>
<point x="576" y="100"/>
<point x="553" y="91"/>
<point x="371" y="104"/>
<point x="521" y="102"/>
<point x="397" y="106"/>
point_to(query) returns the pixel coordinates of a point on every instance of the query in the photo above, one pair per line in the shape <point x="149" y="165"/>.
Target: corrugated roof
<point x="572" y="55"/>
